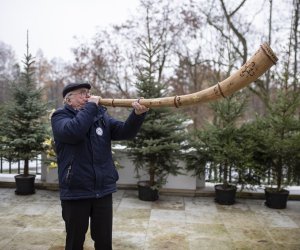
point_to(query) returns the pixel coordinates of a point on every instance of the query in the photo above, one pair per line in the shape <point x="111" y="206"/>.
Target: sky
<point x="52" y="24"/>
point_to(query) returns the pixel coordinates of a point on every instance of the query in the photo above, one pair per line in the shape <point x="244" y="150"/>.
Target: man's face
<point x="78" y="98"/>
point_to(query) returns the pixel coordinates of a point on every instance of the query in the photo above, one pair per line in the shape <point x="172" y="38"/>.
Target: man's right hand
<point x="94" y="99"/>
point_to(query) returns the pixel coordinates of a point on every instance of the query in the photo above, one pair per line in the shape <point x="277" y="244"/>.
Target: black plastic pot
<point x="276" y="199"/>
<point x="146" y="193"/>
<point x="25" y="184"/>
<point x="225" y="195"/>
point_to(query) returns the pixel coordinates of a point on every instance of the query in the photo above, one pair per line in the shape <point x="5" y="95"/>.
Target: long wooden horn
<point x="257" y="65"/>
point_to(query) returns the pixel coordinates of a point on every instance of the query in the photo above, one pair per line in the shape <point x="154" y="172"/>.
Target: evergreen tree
<point x="22" y="127"/>
<point x="228" y="148"/>
<point x="278" y="134"/>
<point x="156" y="149"/>
<point x="223" y="146"/>
<point x="279" y="130"/>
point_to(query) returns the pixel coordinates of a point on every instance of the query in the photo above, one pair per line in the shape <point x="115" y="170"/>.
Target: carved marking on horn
<point x="222" y="94"/>
<point x="175" y="102"/>
<point x="248" y="70"/>
<point x="216" y="91"/>
<point x="179" y="101"/>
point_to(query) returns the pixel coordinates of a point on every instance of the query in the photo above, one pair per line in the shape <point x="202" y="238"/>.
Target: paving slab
<point x="34" y="222"/>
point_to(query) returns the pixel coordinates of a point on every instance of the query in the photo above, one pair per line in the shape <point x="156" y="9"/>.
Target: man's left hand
<point x="138" y="108"/>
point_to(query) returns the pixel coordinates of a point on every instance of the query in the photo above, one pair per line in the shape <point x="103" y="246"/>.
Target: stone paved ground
<point x="34" y="223"/>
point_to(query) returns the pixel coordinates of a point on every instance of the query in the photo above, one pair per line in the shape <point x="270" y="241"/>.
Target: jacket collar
<point x="72" y="110"/>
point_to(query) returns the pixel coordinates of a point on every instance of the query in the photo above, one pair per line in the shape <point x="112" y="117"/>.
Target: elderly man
<point x="82" y="133"/>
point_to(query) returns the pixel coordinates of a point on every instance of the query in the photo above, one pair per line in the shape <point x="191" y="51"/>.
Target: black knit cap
<point x="73" y="86"/>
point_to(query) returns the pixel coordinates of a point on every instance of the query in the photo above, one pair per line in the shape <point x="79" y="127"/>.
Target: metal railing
<point x="16" y="167"/>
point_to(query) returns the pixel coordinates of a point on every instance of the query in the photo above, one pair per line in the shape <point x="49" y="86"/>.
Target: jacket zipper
<point x="68" y="173"/>
<point x="95" y="184"/>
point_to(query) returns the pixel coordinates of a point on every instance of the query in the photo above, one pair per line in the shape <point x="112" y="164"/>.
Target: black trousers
<point x="77" y="213"/>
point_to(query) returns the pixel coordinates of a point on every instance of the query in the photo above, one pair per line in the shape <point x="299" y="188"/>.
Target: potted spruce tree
<point x="278" y="148"/>
<point x="279" y="133"/>
<point x="219" y="147"/>
<point x="156" y="149"/>
<point x="22" y="128"/>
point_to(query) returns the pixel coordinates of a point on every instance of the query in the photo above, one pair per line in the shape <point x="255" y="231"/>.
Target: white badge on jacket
<point x="99" y="131"/>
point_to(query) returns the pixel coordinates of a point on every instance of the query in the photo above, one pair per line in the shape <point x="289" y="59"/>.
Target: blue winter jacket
<point x="83" y="146"/>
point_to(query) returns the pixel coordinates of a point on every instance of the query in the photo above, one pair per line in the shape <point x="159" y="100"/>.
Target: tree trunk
<point x="26" y="167"/>
<point x="268" y="76"/>
<point x="152" y="176"/>
<point x="225" y="175"/>
<point x="296" y="43"/>
<point x="279" y="175"/>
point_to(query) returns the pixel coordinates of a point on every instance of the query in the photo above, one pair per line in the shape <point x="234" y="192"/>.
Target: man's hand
<point x="94" y="99"/>
<point x="138" y="108"/>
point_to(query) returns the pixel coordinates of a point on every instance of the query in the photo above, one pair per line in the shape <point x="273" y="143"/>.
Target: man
<point x="87" y="176"/>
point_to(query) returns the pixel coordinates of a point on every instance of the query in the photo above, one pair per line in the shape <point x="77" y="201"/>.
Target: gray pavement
<point x="173" y="222"/>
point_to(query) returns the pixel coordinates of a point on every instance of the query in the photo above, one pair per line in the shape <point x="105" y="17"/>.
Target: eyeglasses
<point x="82" y="93"/>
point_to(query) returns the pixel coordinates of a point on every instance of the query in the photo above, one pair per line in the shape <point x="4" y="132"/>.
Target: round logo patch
<point x="99" y="131"/>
